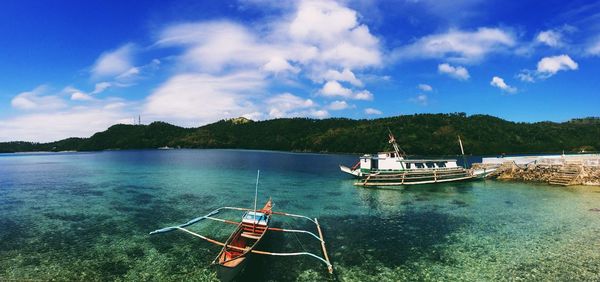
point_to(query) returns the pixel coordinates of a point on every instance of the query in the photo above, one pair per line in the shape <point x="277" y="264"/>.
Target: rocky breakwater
<point x="566" y="173"/>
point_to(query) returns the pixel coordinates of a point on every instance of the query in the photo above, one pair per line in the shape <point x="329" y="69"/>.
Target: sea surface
<point x="86" y="217"/>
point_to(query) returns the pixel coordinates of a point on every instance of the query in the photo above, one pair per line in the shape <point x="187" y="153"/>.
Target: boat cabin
<point x="257" y="218"/>
<point x="392" y="161"/>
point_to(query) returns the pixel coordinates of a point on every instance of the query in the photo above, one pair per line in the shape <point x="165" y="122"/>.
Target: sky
<point x="72" y="68"/>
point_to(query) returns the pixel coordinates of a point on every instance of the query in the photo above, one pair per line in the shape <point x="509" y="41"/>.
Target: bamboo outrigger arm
<point x="324" y="260"/>
<point x="210" y="214"/>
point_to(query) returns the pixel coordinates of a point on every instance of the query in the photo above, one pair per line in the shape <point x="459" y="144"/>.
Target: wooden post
<point x="329" y="267"/>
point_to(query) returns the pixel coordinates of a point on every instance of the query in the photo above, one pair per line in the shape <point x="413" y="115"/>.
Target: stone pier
<point x="557" y="170"/>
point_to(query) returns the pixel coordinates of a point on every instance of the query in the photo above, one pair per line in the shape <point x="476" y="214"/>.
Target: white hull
<point x="348" y="170"/>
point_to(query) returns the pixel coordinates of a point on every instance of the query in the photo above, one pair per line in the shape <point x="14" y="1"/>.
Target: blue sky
<point x="71" y="68"/>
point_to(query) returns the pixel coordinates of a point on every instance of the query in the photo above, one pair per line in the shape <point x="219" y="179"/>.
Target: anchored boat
<point x="393" y="169"/>
<point x="248" y="234"/>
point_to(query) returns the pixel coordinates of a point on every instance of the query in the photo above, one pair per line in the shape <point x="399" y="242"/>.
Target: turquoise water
<point x="86" y="216"/>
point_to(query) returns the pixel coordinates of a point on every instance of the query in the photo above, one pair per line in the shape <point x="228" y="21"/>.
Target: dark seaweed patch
<point x="459" y="203"/>
<point x="65" y="216"/>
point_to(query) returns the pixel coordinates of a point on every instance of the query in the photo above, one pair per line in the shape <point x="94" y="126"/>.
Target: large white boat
<point x="392" y="169"/>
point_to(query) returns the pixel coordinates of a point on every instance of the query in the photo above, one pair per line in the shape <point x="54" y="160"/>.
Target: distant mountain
<point x="420" y="134"/>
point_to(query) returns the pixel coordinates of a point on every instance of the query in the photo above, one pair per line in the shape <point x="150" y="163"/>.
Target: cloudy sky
<point x="71" y="68"/>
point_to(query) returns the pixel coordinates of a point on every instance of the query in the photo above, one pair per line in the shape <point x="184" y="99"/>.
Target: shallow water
<point x="86" y="216"/>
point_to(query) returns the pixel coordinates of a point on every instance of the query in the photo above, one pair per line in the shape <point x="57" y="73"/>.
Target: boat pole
<point x="463" y="152"/>
<point x="255" y="199"/>
<point x="329" y="267"/>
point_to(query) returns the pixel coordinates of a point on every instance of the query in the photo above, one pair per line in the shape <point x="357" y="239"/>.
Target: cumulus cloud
<point x="552" y="65"/>
<point x="113" y="63"/>
<point x="425" y="87"/>
<point x="289" y="105"/>
<point x="194" y="98"/>
<point x="320" y="40"/>
<point x="333" y="89"/>
<point x="458" y="45"/>
<point x="547" y="67"/>
<point x="373" y="111"/>
<point x="338" y="105"/>
<point x="37" y="99"/>
<point x="458" y="72"/>
<point x="346" y="75"/>
<point x="551" y="38"/>
<point x="499" y="82"/>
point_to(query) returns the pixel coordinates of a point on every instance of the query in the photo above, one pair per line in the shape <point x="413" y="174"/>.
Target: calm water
<point x="86" y="216"/>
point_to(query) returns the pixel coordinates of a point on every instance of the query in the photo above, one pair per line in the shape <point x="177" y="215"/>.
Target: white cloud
<point x="278" y="65"/>
<point x="203" y="98"/>
<point x="457" y="72"/>
<point x="551" y="65"/>
<point x="335" y="30"/>
<point x="420" y="99"/>
<point x="80" y="96"/>
<point x="338" y="105"/>
<point x="499" y="82"/>
<point x="335" y="89"/>
<point x="319" y="113"/>
<point x="52" y="126"/>
<point x="346" y="75"/>
<point x="457" y="45"/>
<point x="100" y="87"/>
<point x="372" y="111"/>
<point x="316" y="40"/>
<point x="551" y="38"/>
<point x="526" y="76"/>
<point x="547" y="67"/>
<point x="363" y="95"/>
<point x="114" y="63"/>
<point x="36" y="100"/>
<point x="425" y="87"/>
<point x="287" y="105"/>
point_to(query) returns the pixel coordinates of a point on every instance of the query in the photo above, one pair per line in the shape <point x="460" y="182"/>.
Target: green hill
<point x="420" y="134"/>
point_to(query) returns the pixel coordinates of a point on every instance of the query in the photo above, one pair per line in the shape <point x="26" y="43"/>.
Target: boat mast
<point x="462" y="151"/>
<point x="392" y="141"/>
<point x="396" y="148"/>
<point x="256" y="194"/>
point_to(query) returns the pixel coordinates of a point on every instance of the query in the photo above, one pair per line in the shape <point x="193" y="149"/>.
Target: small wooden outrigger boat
<point x="394" y="169"/>
<point x="248" y="234"/>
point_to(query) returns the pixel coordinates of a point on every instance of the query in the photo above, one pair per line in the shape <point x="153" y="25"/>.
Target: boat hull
<point x="417" y="177"/>
<point x="228" y="273"/>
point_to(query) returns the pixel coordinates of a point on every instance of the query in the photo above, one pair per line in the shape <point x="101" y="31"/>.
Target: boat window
<point x="429" y="165"/>
<point x="392" y="155"/>
<point x="408" y="165"/>
<point x="441" y="164"/>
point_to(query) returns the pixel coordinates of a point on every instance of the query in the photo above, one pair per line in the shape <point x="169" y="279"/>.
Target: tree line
<point x="418" y="134"/>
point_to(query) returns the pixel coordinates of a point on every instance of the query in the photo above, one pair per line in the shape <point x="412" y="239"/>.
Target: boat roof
<point x="428" y="161"/>
<point x="255" y="218"/>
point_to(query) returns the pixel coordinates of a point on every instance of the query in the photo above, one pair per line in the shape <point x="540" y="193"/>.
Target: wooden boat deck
<point x="416" y="177"/>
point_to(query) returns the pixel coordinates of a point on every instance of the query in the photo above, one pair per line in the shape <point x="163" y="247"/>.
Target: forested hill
<point x="420" y="134"/>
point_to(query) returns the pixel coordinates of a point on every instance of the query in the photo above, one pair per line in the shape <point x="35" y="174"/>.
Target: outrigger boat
<point x="394" y="169"/>
<point x="249" y="233"/>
